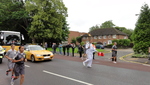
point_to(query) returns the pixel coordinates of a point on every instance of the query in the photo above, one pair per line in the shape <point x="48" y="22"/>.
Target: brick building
<point x="104" y="36"/>
<point x="74" y="34"/>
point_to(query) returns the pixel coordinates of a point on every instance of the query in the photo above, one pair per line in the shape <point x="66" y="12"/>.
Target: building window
<point x="125" y="37"/>
<point x="109" y="36"/>
<point x="99" y="37"/>
<point x="87" y="38"/>
<point x="84" y="38"/>
<point x="114" y="36"/>
<point x="109" y="42"/>
<point x="104" y="37"/>
<point x="95" y="37"/>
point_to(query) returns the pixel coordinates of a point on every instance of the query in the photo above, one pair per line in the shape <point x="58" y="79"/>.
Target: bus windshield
<point x="10" y="37"/>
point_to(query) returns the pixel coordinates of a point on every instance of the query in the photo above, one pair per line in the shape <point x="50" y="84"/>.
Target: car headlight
<point x="38" y="55"/>
<point x="51" y="54"/>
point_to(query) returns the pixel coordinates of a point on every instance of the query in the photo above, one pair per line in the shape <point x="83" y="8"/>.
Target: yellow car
<point x="37" y="53"/>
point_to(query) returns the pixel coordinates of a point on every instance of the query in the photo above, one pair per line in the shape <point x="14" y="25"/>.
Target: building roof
<point x="105" y="31"/>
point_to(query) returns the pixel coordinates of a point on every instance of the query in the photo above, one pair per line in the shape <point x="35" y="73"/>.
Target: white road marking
<point x="67" y="77"/>
<point x="27" y="66"/>
<point x="146" y="65"/>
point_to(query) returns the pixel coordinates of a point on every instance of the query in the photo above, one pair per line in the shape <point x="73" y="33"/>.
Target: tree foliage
<point x="122" y="42"/>
<point x="94" y="28"/>
<point x="141" y="35"/>
<point x="129" y="32"/>
<point x="13" y="15"/>
<point x="47" y="18"/>
<point x="73" y="40"/>
<point x="79" y="39"/>
<point x="107" y="24"/>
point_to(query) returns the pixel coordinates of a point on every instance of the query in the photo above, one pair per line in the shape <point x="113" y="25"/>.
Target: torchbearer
<point x="89" y="52"/>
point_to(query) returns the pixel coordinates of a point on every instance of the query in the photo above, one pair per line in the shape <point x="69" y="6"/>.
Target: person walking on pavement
<point x="64" y="49"/>
<point x="80" y="50"/>
<point x="73" y="47"/>
<point x="46" y="45"/>
<point x="89" y="52"/>
<point x="95" y="49"/>
<point x="60" y="48"/>
<point x="68" y="48"/>
<point x="10" y="55"/>
<point x="149" y="53"/>
<point x="84" y="52"/>
<point x="54" y="48"/>
<point x="19" y="68"/>
<point x="114" y="53"/>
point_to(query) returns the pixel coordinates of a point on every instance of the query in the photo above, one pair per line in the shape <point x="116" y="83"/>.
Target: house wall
<point x="107" y="40"/>
<point x="74" y="34"/>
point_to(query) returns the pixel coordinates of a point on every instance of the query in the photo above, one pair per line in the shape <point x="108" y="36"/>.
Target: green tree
<point x="94" y="28"/>
<point x="73" y="40"/>
<point x="79" y="39"/>
<point x="47" y="18"/>
<point x="107" y="24"/>
<point x="141" y="35"/>
<point x="129" y="32"/>
<point x="13" y="15"/>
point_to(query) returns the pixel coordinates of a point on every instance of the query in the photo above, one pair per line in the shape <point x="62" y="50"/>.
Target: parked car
<point x="100" y="46"/>
<point x="37" y="53"/>
<point x="2" y="51"/>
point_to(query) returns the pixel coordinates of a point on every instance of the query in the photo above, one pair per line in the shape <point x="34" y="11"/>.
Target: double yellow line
<point x="122" y="58"/>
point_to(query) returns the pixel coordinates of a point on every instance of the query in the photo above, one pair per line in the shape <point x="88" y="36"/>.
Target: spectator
<point x="64" y="49"/>
<point x="80" y="50"/>
<point x="60" y="48"/>
<point x="46" y="46"/>
<point x="54" y="46"/>
<point x="95" y="49"/>
<point x="73" y="47"/>
<point x="68" y="48"/>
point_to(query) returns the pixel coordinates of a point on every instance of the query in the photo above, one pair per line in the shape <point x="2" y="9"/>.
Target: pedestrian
<point x="94" y="52"/>
<point x="60" y="48"/>
<point x="68" y="48"/>
<point x="89" y="52"/>
<point x="46" y="45"/>
<point x="19" y="68"/>
<point x="64" y="49"/>
<point x="114" y="52"/>
<point x="80" y="50"/>
<point x="149" y="53"/>
<point x="73" y="47"/>
<point x="41" y="44"/>
<point x="84" y="52"/>
<point x="54" y="46"/>
<point x="10" y="55"/>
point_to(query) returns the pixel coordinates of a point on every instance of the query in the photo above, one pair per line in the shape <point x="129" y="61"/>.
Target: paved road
<point x="70" y="71"/>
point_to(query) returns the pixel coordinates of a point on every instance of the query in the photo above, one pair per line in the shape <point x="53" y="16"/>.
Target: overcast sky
<point x="83" y="14"/>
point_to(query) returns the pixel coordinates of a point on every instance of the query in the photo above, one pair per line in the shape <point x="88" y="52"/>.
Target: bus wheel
<point x="32" y="58"/>
<point x="1" y="59"/>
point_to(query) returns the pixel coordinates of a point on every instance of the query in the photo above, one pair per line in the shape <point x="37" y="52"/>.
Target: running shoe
<point x="12" y="81"/>
<point x="83" y="63"/>
<point x="7" y="72"/>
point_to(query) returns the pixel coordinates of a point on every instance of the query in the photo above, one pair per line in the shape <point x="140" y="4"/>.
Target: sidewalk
<point x="137" y="60"/>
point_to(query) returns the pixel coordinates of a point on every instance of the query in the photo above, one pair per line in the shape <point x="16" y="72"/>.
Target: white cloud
<point x="83" y="14"/>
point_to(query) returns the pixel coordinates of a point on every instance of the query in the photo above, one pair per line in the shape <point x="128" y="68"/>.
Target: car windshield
<point x="1" y="47"/>
<point x="36" y="48"/>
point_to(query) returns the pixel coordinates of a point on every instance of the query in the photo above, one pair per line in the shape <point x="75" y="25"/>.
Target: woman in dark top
<point x="80" y="50"/>
<point x="114" y="52"/>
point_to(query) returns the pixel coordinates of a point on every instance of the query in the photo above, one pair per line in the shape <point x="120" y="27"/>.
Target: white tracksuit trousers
<point x="89" y="59"/>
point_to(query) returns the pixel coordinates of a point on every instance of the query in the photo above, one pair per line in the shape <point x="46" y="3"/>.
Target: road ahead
<point x="70" y="71"/>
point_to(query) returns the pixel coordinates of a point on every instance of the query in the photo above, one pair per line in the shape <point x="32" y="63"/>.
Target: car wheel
<point x="1" y="59"/>
<point x="32" y="58"/>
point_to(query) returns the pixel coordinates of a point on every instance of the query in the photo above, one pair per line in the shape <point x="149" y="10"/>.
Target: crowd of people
<point x="16" y="59"/>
